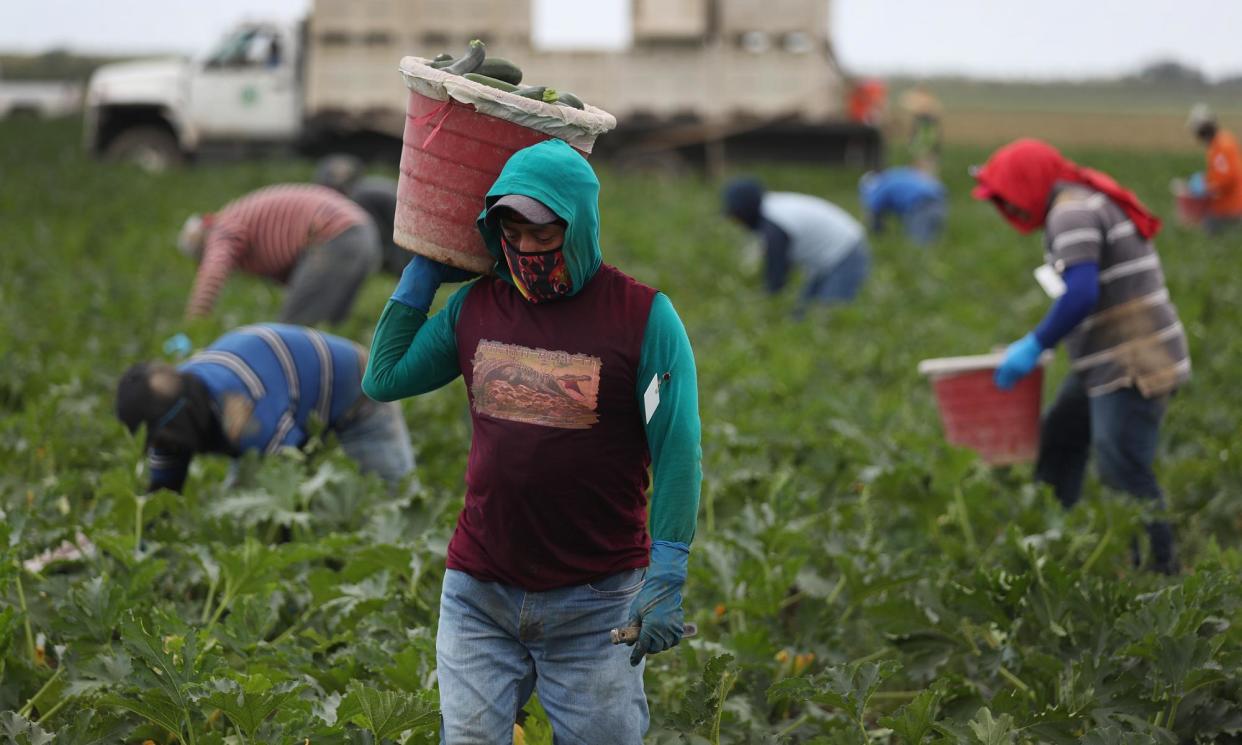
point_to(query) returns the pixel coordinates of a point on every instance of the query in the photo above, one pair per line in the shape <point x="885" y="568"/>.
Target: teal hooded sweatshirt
<point x="412" y="353"/>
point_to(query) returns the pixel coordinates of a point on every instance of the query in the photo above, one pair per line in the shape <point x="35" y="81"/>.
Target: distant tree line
<point x="56" y="64"/>
<point x="1175" y="73"/>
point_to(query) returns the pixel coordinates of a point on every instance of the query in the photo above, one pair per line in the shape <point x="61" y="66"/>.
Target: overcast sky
<point x="992" y="38"/>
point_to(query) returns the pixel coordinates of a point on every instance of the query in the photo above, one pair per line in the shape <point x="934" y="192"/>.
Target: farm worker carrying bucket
<point x="1212" y="197"/>
<point x="579" y="378"/>
<point x="1126" y="346"/>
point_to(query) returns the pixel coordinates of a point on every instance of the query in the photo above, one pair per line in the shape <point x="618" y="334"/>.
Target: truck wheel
<point x="152" y="149"/>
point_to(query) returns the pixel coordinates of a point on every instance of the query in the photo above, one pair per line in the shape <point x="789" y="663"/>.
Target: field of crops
<point x="854" y="579"/>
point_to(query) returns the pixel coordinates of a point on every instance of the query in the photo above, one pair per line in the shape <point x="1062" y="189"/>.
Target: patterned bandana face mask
<point x="541" y="276"/>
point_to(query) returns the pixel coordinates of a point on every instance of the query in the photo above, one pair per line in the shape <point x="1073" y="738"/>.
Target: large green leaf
<point x="915" y="720"/>
<point x="246" y="704"/>
<point x="387" y="714"/>
<point x="154" y="706"/>
<point x="87" y="728"/>
<point x="17" y="730"/>
<point x="992" y="731"/>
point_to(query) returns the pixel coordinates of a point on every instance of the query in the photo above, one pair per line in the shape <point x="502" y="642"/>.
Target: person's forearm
<point x="676" y="485"/>
<point x="1082" y="291"/>
<point x="167" y="472"/>
<point x="412" y="354"/>
<point x="386" y="378"/>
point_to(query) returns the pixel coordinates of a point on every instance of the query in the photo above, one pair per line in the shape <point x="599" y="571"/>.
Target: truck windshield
<point x="232" y="51"/>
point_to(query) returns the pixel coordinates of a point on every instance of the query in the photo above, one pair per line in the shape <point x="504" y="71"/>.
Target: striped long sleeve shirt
<point x="1132" y="337"/>
<point x="265" y="233"/>
<point x="267" y="382"/>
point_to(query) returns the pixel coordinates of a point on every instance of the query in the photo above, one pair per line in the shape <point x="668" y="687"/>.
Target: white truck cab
<point x="244" y="94"/>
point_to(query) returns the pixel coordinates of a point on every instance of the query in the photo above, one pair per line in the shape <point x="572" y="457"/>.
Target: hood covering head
<point x="558" y="177"/>
<point x="1024" y="173"/>
<point x="743" y="199"/>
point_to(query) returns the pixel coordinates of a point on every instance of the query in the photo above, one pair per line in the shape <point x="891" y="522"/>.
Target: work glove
<point x="1020" y="358"/>
<point x="657" y="608"/>
<point x="1197" y="185"/>
<point x="421" y="278"/>
<point x="178" y="345"/>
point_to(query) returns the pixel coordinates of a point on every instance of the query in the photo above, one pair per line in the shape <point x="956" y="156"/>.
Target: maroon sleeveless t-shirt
<point x="557" y="478"/>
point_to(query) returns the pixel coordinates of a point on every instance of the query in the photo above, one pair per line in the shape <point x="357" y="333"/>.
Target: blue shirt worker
<point x="914" y="197"/>
<point x="258" y="388"/>
<point x="824" y="241"/>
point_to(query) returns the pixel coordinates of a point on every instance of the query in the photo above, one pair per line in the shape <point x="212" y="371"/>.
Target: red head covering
<point x="1023" y="173"/>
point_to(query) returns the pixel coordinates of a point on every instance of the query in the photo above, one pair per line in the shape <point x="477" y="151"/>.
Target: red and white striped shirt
<point x="265" y="232"/>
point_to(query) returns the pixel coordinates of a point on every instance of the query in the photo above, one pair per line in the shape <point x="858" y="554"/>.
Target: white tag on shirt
<point x="651" y="397"/>
<point x="1050" y="280"/>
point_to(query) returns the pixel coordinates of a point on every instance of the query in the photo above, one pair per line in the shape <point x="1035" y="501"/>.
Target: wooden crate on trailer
<point x="682" y="20"/>
<point x="773" y="16"/>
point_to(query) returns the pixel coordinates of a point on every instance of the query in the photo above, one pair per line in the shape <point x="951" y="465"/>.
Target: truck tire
<point x="152" y="149"/>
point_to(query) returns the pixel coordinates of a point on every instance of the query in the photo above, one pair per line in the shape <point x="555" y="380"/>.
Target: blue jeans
<point x="841" y="283"/>
<point x="496" y="644"/>
<point x="374" y="434"/>
<point x="1122" y="428"/>
<point x="925" y="221"/>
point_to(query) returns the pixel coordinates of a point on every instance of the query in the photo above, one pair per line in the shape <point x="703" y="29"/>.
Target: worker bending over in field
<point x="257" y="389"/>
<point x="820" y="238"/>
<point x="308" y="237"/>
<point x="1220" y="184"/>
<point x="1126" y="346"/>
<point x="578" y="378"/>
<point x="917" y="199"/>
<point x="375" y="194"/>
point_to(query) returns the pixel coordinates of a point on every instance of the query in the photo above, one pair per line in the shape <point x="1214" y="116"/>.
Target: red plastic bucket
<point x="1190" y="210"/>
<point x="451" y="155"/>
<point x="1001" y="426"/>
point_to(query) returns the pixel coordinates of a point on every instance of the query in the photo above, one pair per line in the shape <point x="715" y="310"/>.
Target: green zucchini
<point x="531" y="91"/>
<point x="569" y="99"/>
<point x="490" y="81"/>
<point x="443" y="57"/>
<point x="501" y="69"/>
<point x="470" y="61"/>
<point x="441" y="64"/>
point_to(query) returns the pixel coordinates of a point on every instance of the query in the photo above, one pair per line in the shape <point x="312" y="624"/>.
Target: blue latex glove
<point x="178" y="345"/>
<point x="1020" y="358"/>
<point x="422" y="277"/>
<point x="1197" y="185"/>
<point x="658" y="604"/>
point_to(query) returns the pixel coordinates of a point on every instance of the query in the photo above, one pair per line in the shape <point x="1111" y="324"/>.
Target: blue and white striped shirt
<point x="266" y="382"/>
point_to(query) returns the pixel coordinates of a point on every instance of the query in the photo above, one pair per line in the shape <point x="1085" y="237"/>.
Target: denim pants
<point x="925" y="221"/>
<point x="374" y="434"/>
<point x="1122" y="429"/>
<point x="841" y="283"/>
<point x="323" y="285"/>
<point x="496" y="644"/>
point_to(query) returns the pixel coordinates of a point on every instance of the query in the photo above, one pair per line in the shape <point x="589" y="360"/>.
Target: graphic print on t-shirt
<point x="536" y="386"/>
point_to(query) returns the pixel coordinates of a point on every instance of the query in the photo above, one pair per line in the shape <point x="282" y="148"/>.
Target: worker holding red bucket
<point x="1126" y="345"/>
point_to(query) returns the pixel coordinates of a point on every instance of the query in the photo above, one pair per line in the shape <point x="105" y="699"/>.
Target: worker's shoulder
<point x="1076" y="207"/>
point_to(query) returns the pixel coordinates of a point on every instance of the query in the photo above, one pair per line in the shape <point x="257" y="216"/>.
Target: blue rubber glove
<point x="658" y="605"/>
<point x="1020" y="358"/>
<point x="422" y="277"/>
<point x="1197" y="185"/>
<point x="178" y="345"/>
